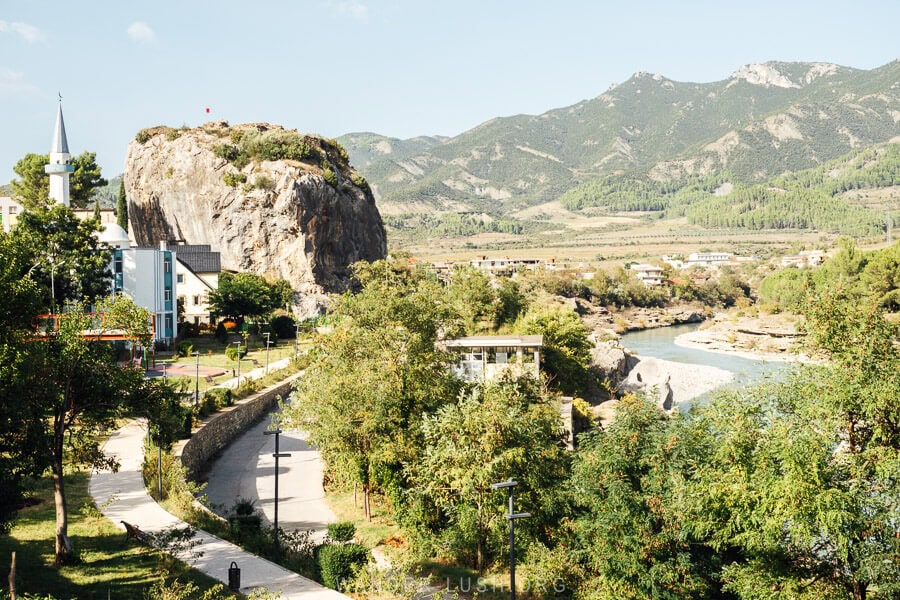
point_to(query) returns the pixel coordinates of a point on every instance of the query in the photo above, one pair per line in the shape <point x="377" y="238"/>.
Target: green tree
<point x="20" y="422"/>
<point x="66" y="257"/>
<point x="565" y="356"/>
<point x="33" y="189"/>
<point x="500" y="430"/>
<point x="242" y="295"/>
<point x="627" y="480"/>
<point x="803" y="480"/>
<point x="473" y="297"/>
<point x="376" y="375"/>
<point x="83" y="390"/>
<point x="881" y="277"/>
<point x="122" y="207"/>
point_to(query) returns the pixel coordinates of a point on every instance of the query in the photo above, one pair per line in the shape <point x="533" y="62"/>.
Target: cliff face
<point x="272" y="202"/>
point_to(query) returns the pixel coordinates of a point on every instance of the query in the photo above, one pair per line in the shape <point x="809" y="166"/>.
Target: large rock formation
<point x="271" y="201"/>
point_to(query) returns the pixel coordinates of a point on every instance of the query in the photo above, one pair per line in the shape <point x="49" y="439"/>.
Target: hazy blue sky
<point x="396" y="67"/>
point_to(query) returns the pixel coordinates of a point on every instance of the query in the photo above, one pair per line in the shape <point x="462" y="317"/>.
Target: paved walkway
<point x="246" y="469"/>
<point x="122" y="497"/>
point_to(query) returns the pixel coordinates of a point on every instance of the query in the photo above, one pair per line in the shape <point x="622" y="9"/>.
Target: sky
<point x="400" y="68"/>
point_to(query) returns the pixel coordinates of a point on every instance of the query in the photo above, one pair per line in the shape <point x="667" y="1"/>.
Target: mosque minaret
<point x="59" y="167"/>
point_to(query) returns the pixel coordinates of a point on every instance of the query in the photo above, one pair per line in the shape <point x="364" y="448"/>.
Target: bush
<point x="342" y="531"/>
<point x="142" y="137"/>
<point x="222" y="333"/>
<point x="338" y="563"/>
<point x="263" y="182"/>
<point x="234" y="179"/>
<point x="284" y="327"/>
<point x="218" y="397"/>
<point x="185" y="349"/>
<point x="329" y="176"/>
<point x="226" y="151"/>
<point x="232" y="352"/>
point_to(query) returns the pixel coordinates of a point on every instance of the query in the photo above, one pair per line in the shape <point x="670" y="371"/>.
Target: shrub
<point x="185" y="349"/>
<point x="234" y="179"/>
<point x="329" y="176"/>
<point x="359" y="181"/>
<point x="284" y="327"/>
<point x="263" y="182"/>
<point x="338" y="563"/>
<point x="222" y="333"/>
<point x="142" y="137"/>
<point x="218" y="397"/>
<point x="226" y="151"/>
<point x="232" y="352"/>
<point x="342" y="531"/>
<point x="173" y="134"/>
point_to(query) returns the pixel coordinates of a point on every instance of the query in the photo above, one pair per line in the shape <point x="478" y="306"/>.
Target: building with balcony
<point x="483" y="358"/>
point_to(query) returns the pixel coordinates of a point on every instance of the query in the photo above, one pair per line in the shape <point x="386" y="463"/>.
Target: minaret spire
<point x="59" y="167"/>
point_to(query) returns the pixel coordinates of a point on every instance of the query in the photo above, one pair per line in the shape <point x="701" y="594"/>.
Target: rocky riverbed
<point x="769" y="337"/>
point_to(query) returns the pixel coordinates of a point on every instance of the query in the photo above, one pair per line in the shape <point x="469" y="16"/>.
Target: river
<point x="660" y="343"/>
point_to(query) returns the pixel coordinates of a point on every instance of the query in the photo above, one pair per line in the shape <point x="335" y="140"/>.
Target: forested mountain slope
<point x="764" y="121"/>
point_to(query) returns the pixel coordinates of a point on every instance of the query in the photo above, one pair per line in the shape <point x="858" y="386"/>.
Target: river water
<point x="660" y="343"/>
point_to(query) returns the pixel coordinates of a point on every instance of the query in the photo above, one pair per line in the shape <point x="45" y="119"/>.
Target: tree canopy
<point x="33" y="189"/>
<point x="241" y="295"/>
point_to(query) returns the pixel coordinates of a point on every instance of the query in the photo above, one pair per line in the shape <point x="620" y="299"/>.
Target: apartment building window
<point x="13" y="210"/>
<point x="196" y="300"/>
<point x="167" y="265"/>
<point x="180" y="278"/>
<point x="167" y="295"/>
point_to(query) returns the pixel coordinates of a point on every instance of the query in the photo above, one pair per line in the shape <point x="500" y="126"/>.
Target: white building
<point x="9" y="212"/>
<point x="506" y="264"/>
<point x="707" y="259"/>
<point x="482" y="358"/>
<point x="196" y="275"/>
<point x="649" y="274"/>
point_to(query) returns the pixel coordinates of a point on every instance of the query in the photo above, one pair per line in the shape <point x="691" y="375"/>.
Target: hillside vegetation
<point x="653" y="144"/>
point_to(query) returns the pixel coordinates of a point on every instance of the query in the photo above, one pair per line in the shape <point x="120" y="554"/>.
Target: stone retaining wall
<point x="220" y="428"/>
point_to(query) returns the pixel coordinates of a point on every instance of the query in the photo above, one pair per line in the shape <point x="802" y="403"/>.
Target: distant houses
<point x="806" y="258"/>
<point x="649" y="274"/>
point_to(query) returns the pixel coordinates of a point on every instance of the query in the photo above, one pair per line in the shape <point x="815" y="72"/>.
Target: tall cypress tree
<point x="122" y="207"/>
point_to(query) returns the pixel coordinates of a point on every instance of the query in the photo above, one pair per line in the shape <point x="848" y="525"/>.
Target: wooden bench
<point x="134" y="532"/>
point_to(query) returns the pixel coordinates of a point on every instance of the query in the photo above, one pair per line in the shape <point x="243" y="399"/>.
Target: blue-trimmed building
<point x="147" y="276"/>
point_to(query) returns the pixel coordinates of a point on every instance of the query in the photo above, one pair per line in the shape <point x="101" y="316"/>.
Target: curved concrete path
<point x="121" y="496"/>
<point x="246" y="469"/>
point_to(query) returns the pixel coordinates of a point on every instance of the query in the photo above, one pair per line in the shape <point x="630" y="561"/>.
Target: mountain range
<point x="764" y="121"/>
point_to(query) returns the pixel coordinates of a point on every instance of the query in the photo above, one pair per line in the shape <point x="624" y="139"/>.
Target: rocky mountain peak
<point x="763" y="74"/>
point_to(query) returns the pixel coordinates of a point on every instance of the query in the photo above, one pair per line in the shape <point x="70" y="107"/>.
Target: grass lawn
<point x="212" y="354"/>
<point x="109" y="567"/>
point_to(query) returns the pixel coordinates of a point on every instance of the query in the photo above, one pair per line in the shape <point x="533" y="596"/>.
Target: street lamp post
<point x="277" y="455"/>
<point x="296" y="339"/>
<point x="239" y="363"/>
<point x="165" y="380"/>
<point x="197" y="380"/>
<point x="511" y="517"/>
<point x="268" y="343"/>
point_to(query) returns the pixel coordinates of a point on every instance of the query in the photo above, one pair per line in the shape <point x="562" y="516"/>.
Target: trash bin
<point x="234" y="577"/>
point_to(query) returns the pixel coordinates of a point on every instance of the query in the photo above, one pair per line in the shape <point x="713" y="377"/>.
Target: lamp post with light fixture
<point x="511" y="517"/>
